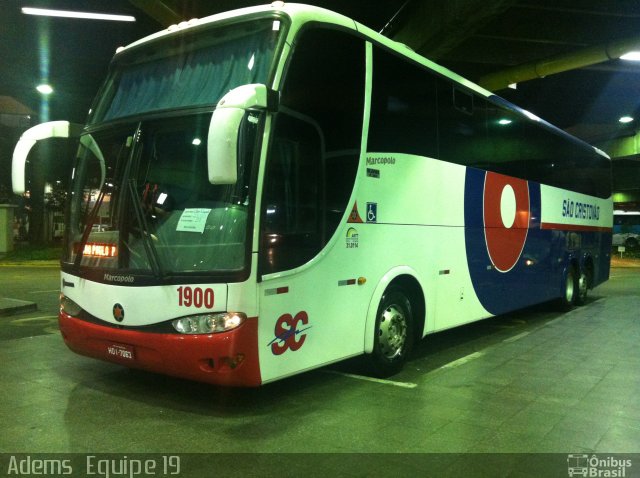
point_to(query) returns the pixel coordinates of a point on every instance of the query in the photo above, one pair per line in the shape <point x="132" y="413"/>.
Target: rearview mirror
<point x="52" y="129"/>
<point x="222" y="150"/>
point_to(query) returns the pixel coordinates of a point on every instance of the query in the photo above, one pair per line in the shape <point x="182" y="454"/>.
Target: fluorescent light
<point x="85" y="15"/>
<point x="505" y="121"/>
<point x="626" y="119"/>
<point x="631" y="56"/>
<point x="44" y="89"/>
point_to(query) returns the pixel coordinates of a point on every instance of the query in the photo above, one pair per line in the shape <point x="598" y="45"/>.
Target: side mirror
<point x="52" y="129"/>
<point x="222" y="150"/>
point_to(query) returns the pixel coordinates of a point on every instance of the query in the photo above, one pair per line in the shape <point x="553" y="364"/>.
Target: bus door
<point x="306" y="316"/>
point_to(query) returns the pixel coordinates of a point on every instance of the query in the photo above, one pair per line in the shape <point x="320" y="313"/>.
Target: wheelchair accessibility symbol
<point x="372" y="212"/>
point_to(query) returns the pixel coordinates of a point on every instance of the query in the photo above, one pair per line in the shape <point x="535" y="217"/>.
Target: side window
<point x="291" y="220"/>
<point x="403" y="109"/>
<point x="314" y="148"/>
<point x="462" y="126"/>
<point x="506" y="151"/>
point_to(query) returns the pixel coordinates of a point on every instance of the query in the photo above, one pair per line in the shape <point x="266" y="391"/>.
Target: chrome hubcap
<point x="392" y="333"/>
<point x="582" y="285"/>
<point x="569" y="288"/>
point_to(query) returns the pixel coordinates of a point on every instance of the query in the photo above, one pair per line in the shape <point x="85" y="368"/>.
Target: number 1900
<point x="196" y="297"/>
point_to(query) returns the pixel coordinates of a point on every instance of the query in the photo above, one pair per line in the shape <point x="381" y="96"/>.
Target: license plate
<point x="121" y="351"/>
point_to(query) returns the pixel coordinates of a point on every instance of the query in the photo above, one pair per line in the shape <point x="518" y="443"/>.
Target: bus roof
<point x="301" y="14"/>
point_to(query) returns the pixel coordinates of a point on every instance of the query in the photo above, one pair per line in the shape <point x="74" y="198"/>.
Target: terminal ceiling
<point x="562" y="46"/>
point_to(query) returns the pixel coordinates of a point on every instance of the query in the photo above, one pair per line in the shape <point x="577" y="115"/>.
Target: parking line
<point x="373" y="379"/>
<point x="463" y="360"/>
<point x="516" y="337"/>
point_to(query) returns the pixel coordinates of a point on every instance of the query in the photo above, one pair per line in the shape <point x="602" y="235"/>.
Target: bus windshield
<point x="195" y="69"/>
<point x="140" y="197"/>
<point x="141" y="200"/>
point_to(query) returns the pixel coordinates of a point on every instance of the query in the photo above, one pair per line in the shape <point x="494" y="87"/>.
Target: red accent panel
<point x="179" y="355"/>
<point x="505" y="244"/>
<point x="573" y="227"/>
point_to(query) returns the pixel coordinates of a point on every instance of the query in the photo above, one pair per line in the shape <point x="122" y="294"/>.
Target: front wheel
<point x="394" y="333"/>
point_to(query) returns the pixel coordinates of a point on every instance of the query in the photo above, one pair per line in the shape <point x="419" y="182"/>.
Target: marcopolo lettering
<point x="382" y="160"/>
<point x="115" y="278"/>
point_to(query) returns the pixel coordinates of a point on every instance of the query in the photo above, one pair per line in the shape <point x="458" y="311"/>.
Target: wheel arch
<point x="405" y="278"/>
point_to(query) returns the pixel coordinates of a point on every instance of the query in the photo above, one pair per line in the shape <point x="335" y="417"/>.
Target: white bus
<point x="279" y="188"/>
<point x="626" y="229"/>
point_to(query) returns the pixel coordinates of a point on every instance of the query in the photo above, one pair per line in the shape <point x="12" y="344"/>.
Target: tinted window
<point x="403" y="107"/>
<point x="314" y="149"/>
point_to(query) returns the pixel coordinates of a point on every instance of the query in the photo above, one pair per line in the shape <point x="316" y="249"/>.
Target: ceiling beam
<point x="558" y="64"/>
<point x="164" y="14"/>
<point x="435" y="28"/>
<point x="624" y="147"/>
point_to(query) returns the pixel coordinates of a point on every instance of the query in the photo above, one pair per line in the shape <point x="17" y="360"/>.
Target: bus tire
<point x="569" y="289"/>
<point x="394" y="333"/>
<point x="582" y="283"/>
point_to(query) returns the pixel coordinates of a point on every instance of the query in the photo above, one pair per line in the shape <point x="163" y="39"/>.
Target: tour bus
<point x="273" y="189"/>
<point x="626" y="229"/>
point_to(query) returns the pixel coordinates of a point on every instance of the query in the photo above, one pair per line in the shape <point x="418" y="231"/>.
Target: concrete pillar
<point x="6" y="227"/>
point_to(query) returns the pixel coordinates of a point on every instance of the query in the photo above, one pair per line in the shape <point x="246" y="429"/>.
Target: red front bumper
<point x="229" y="358"/>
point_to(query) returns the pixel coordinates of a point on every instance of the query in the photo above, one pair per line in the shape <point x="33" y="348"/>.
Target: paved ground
<point x="537" y="381"/>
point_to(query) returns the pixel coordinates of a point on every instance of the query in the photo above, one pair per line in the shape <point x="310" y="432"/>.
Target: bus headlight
<point x="209" y="323"/>
<point x="69" y="307"/>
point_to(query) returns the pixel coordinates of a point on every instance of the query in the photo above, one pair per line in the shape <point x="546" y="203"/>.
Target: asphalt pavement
<point x="29" y="294"/>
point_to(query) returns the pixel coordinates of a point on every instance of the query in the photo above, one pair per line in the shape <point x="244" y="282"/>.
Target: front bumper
<point x="229" y="358"/>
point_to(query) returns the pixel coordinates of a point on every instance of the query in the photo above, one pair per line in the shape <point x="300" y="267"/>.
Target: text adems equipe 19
<point x="94" y="465"/>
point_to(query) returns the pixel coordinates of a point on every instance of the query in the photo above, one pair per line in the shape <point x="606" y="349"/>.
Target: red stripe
<point x="201" y="357"/>
<point x="573" y="227"/>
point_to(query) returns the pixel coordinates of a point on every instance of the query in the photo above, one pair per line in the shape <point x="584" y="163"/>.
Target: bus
<point x="273" y="189"/>
<point x="626" y="229"/>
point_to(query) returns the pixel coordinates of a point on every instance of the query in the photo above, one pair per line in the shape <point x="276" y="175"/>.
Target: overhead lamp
<point x="70" y="14"/>
<point x="44" y="89"/>
<point x="626" y="119"/>
<point x="631" y="56"/>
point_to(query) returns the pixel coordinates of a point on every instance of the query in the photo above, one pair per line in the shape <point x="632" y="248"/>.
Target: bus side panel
<point x="587" y="222"/>
<point x="514" y="267"/>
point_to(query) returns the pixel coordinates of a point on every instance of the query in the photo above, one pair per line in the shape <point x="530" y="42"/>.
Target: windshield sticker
<point x="193" y="220"/>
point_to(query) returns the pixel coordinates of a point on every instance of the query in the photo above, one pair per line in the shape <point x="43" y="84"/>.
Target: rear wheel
<point x="583" y="287"/>
<point x="394" y="333"/>
<point x="570" y="289"/>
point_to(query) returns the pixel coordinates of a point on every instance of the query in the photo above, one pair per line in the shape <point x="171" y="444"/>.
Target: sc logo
<point x="287" y="333"/>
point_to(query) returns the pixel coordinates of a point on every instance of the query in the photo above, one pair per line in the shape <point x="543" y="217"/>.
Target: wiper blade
<point x="87" y="230"/>
<point x="149" y="248"/>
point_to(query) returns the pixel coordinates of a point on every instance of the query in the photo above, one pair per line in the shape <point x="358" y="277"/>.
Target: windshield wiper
<point x="149" y="248"/>
<point x="87" y="230"/>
